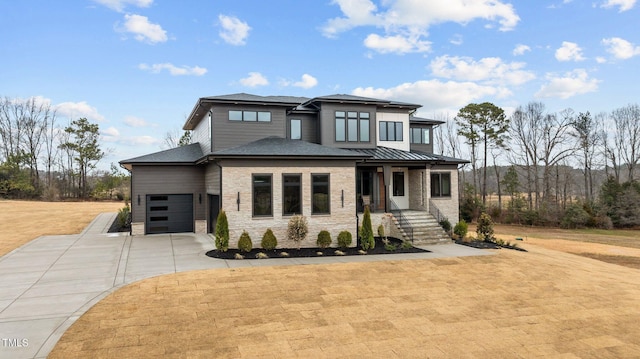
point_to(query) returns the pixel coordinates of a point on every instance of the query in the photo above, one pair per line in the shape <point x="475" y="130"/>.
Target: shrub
<point x="222" y="232"/>
<point x="381" y="231"/>
<point x="297" y="229"/>
<point x="406" y="245"/>
<point x="244" y="243"/>
<point x="124" y="216"/>
<point x="575" y="217"/>
<point x="390" y="246"/>
<point x="344" y="239"/>
<point x="367" y="241"/>
<point x="485" y="228"/>
<point x="461" y="229"/>
<point x="445" y="224"/>
<point x="324" y="239"/>
<point x="269" y="241"/>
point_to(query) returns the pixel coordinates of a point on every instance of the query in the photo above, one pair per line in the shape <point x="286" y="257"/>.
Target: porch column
<point x="386" y="170"/>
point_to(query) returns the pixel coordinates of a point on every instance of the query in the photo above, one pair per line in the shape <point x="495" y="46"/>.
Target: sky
<point x="138" y="67"/>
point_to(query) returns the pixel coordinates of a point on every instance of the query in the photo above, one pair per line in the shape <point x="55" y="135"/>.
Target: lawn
<point x="23" y="221"/>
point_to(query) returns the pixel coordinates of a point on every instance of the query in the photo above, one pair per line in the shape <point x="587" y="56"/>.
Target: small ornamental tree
<point x="269" y="241"/>
<point x="461" y="229"/>
<point x="367" y="240"/>
<point x="222" y="232"/>
<point x="344" y="239"/>
<point x="381" y="232"/>
<point x="244" y="243"/>
<point x="324" y="239"/>
<point x="297" y="229"/>
<point x="485" y="228"/>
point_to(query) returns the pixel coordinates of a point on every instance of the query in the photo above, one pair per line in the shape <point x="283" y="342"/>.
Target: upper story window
<point x="352" y="126"/>
<point x="390" y="131"/>
<point x="420" y="135"/>
<point x="295" y="129"/>
<point x="250" y="116"/>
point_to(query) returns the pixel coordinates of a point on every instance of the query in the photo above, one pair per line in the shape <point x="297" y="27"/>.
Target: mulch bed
<point x="313" y="252"/>
<point x="488" y="245"/>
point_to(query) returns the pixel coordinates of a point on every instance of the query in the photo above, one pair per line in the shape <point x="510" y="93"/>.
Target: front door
<point x="214" y="210"/>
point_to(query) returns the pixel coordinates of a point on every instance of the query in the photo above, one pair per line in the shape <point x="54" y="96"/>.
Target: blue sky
<point x="137" y="67"/>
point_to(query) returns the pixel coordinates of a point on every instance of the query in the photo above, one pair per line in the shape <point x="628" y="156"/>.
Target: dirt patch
<point x="627" y="261"/>
<point x="32" y="219"/>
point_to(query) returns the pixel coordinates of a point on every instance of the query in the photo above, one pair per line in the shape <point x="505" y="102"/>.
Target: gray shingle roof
<point x="360" y="99"/>
<point x="186" y="154"/>
<point x="426" y="121"/>
<point x="282" y="147"/>
<point x="245" y="97"/>
<point x="385" y="154"/>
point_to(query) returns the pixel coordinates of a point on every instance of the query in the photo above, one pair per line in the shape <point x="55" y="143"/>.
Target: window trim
<point x="398" y="183"/>
<point x="440" y="175"/>
<point x="253" y="195"/>
<point x="328" y="194"/>
<point x="299" y="175"/>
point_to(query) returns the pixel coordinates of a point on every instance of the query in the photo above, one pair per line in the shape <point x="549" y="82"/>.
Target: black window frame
<point x="250" y="116"/>
<point x="398" y="184"/>
<point x="284" y="193"/>
<point x="254" y="196"/>
<point x="437" y="184"/>
<point x="314" y="211"/>
<point x="424" y="135"/>
<point x="386" y="128"/>
<point x="344" y="121"/>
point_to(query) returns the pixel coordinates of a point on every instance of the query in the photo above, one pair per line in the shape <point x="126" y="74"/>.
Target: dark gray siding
<point x="422" y="147"/>
<point x="201" y="135"/>
<point x="166" y="180"/>
<point x="212" y="179"/>
<point x="228" y="134"/>
<point x="309" y="126"/>
<point x="327" y="125"/>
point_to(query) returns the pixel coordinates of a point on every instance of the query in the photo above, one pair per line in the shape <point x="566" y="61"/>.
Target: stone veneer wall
<point x="418" y="199"/>
<point x="237" y="177"/>
<point x="449" y="206"/>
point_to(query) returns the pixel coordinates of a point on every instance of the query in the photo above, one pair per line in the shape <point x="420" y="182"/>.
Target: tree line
<point x="40" y="158"/>
<point x="540" y="150"/>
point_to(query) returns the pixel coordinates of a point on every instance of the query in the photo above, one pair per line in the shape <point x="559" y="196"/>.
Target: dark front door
<point x="214" y="210"/>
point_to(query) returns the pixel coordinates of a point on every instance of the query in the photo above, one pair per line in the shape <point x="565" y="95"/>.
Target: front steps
<point x="426" y="230"/>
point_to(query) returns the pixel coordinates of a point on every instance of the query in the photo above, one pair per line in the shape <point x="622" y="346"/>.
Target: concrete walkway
<point x="47" y="284"/>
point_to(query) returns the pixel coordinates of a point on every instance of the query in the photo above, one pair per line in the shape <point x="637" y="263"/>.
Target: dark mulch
<point x="313" y="252"/>
<point x="488" y="245"/>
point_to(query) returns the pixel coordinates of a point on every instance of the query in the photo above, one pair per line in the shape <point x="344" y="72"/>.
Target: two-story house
<point x="265" y="158"/>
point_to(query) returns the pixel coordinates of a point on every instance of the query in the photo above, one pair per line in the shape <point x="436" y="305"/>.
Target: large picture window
<point x="291" y="194"/>
<point x="352" y="126"/>
<point x="262" y="195"/>
<point x="320" y="203"/>
<point x="440" y="185"/>
<point x="250" y="116"/>
<point x="420" y="135"/>
<point x="398" y="184"/>
<point x="390" y="131"/>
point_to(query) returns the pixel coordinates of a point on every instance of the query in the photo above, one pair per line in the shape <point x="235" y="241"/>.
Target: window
<point x="398" y="184"/>
<point x="262" y="205"/>
<point x="390" y="131"/>
<point x="250" y="116"/>
<point x="320" y="194"/>
<point x="352" y="126"/>
<point x="291" y="194"/>
<point x="420" y="135"/>
<point x="440" y="185"/>
<point x="295" y="129"/>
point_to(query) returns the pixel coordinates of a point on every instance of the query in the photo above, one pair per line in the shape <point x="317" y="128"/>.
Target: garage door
<point x="169" y="213"/>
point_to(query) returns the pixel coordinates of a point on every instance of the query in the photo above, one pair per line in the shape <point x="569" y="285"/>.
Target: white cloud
<point x="435" y="95"/>
<point x="144" y="30"/>
<point x="140" y="140"/>
<point x="457" y="40"/>
<point x="569" y="51"/>
<point x="76" y="110"/>
<point x="621" y="48"/>
<point x="110" y="134"/>
<point x="520" y="49"/>
<point x="573" y="83"/>
<point x="396" y="44"/>
<point x="601" y="60"/>
<point x="234" y="31"/>
<point x="174" y="70"/>
<point x="306" y="82"/>
<point x="255" y="79"/>
<point x="623" y="4"/>
<point x="119" y="5"/>
<point x="133" y="121"/>
<point x="406" y="22"/>
<point x="489" y="70"/>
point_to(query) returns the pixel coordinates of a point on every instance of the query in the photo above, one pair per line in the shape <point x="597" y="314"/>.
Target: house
<point x="265" y="158"/>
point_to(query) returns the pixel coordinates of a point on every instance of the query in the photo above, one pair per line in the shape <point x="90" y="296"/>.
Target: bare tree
<point x="555" y="131"/>
<point x="587" y="132"/>
<point x="626" y="137"/>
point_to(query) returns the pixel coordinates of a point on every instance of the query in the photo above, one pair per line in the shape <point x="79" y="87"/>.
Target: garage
<point x="169" y="213"/>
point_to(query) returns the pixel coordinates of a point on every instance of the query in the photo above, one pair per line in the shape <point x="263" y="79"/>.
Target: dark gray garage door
<point x="169" y="213"/>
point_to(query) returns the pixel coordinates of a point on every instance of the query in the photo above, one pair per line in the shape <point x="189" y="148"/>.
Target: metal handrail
<point x="402" y="220"/>
<point x="435" y="211"/>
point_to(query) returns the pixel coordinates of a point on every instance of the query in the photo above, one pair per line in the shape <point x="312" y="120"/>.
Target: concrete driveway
<point x="47" y="284"/>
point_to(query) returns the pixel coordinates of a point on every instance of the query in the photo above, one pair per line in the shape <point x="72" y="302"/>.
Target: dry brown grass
<point x="23" y="221"/>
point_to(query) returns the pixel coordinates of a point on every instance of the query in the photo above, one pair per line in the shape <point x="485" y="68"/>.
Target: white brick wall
<point x="447" y="205"/>
<point x="238" y="179"/>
